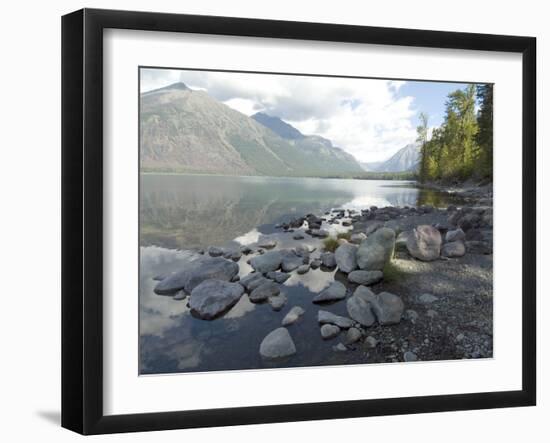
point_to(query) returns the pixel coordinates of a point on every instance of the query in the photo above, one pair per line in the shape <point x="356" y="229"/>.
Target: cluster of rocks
<point x="211" y="278"/>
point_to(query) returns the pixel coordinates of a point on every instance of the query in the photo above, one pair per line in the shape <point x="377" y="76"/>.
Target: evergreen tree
<point x="462" y="147"/>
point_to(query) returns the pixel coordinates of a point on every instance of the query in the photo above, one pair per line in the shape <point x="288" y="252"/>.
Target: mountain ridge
<point x="188" y="131"/>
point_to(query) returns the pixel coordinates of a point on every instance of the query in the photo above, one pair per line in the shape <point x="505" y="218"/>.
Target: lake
<point x="180" y="212"/>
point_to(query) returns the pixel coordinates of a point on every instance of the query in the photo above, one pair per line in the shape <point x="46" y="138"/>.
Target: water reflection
<point x="184" y="211"/>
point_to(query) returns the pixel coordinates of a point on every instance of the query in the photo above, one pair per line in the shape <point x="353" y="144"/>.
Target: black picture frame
<point x="82" y="219"/>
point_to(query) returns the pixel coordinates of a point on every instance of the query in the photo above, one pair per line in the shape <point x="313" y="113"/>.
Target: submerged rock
<point x="345" y="257"/>
<point x="195" y="272"/>
<point x="212" y="298"/>
<point x="293" y="315"/>
<point x="365" y="277"/>
<point x="298" y="236"/>
<point x="302" y="269"/>
<point x="329" y="331"/>
<point x="376" y="251"/>
<point x="277" y="302"/>
<point x="424" y="243"/>
<point x="277" y="344"/>
<point x="340" y="347"/>
<point x="336" y="291"/>
<point x="325" y="317"/>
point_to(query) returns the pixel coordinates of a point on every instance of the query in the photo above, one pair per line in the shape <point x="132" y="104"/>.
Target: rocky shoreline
<point x="416" y="282"/>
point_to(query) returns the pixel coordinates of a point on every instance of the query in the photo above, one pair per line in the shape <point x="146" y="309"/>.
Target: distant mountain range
<point x="406" y="159"/>
<point x="184" y="130"/>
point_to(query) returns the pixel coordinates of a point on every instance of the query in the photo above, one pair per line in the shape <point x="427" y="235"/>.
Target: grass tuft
<point x="330" y="244"/>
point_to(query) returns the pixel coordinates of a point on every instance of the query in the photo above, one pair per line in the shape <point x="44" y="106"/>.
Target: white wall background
<point x="30" y="218"/>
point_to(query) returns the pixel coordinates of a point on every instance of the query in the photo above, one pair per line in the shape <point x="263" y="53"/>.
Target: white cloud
<point x="365" y="117"/>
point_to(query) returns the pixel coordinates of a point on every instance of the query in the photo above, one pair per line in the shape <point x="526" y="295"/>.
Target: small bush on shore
<point x="330" y="244"/>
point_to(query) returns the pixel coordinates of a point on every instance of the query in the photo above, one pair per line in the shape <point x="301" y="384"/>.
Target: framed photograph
<point x="269" y="221"/>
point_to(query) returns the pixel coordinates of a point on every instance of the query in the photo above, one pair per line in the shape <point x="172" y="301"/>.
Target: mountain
<point x="404" y="160"/>
<point x="278" y="126"/>
<point x="317" y="147"/>
<point x="184" y="130"/>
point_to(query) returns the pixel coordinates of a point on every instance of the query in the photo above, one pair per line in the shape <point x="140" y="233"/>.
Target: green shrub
<point x="330" y="244"/>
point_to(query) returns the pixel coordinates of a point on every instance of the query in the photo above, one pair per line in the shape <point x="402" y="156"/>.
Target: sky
<point x="369" y="118"/>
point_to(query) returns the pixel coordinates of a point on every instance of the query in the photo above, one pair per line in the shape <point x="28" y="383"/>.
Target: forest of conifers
<point x="462" y="147"/>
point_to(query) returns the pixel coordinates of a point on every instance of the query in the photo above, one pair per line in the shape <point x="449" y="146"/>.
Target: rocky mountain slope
<point x="184" y="130"/>
<point x="406" y="159"/>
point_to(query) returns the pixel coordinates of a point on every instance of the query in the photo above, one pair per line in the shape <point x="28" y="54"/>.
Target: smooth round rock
<point x="277" y="344"/>
<point x="293" y="315"/>
<point x="329" y="331"/>
<point x="424" y="243"/>
<point x="212" y="298"/>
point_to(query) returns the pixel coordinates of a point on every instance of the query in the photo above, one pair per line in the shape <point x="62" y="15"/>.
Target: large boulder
<point x="360" y="308"/>
<point x="195" y="272"/>
<point x="424" y="243"/>
<point x="376" y="251"/>
<point x="345" y="257"/>
<point x="388" y="308"/>
<point x="270" y="261"/>
<point x="277" y="344"/>
<point x="212" y="298"/>
<point x="336" y="291"/>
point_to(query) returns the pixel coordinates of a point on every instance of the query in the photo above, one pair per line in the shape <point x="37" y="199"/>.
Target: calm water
<point x="179" y="212"/>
